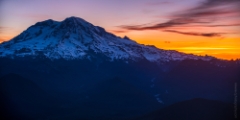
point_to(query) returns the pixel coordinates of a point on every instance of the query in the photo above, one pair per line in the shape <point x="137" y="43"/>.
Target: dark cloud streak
<point x="203" y="15"/>
<point x="196" y="34"/>
<point x="171" y="23"/>
<point x="212" y="8"/>
<point x="119" y="31"/>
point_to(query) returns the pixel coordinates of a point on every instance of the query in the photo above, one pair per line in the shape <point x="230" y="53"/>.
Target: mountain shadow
<point x="23" y="99"/>
<point x="118" y="99"/>
<point x="194" y="109"/>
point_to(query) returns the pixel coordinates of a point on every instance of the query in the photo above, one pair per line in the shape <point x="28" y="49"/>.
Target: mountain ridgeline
<point x="75" y="70"/>
<point x="74" y="38"/>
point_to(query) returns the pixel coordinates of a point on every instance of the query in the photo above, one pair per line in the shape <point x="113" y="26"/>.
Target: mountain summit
<point x="75" y="38"/>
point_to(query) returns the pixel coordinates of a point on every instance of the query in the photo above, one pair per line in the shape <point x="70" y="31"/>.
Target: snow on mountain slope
<point x="75" y="38"/>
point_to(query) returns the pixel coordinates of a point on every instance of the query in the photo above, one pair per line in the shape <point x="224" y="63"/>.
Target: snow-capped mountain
<point x="75" y="38"/>
<point x="75" y="70"/>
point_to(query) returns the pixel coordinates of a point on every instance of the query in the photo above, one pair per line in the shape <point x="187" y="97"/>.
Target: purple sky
<point x="17" y="15"/>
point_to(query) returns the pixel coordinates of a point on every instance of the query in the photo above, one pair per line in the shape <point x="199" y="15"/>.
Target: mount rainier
<point x="75" y="38"/>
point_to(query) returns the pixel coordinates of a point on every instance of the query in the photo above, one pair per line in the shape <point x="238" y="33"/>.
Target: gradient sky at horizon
<point x="192" y="26"/>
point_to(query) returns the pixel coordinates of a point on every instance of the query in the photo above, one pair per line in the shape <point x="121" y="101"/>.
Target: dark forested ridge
<point x="98" y="89"/>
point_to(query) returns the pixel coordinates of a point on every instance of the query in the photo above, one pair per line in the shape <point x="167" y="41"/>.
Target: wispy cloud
<point x="196" y="34"/>
<point x="170" y="23"/>
<point x="210" y="9"/>
<point x="223" y="25"/>
<point x="206" y="14"/>
<point x="119" y="31"/>
<point x="158" y="3"/>
<point x="2" y="29"/>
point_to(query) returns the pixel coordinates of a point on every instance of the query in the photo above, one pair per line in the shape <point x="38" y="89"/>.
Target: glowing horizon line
<point x="206" y="48"/>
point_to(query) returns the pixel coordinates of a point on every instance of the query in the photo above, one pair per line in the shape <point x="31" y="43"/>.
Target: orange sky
<point x="223" y="48"/>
